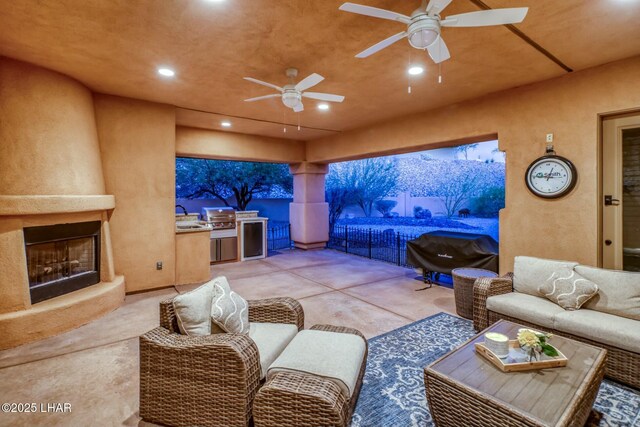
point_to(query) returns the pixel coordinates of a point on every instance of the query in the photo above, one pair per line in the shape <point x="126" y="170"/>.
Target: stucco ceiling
<point x="115" y="46"/>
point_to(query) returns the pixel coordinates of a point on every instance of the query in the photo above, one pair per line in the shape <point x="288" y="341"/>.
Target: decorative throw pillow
<point x="229" y="310"/>
<point x="619" y="291"/>
<point x="568" y="289"/>
<point x="528" y="271"/>
<point x="193" y="310"/>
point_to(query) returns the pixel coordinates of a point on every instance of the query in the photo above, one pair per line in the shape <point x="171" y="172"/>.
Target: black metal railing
<point x="383" y="245"/>
<point x="279" y="237"/>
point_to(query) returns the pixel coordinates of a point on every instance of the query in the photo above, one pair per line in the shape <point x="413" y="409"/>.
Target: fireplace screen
<point x="62" y="258"/>
<point x="48" y="262"/>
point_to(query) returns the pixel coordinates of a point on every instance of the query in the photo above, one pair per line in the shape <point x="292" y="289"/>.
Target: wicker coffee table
<point x="463" y="281"/>
<point x="463" y="388"/>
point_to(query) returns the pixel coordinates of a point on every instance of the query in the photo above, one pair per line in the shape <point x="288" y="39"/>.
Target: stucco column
<point x="309" y="213"/>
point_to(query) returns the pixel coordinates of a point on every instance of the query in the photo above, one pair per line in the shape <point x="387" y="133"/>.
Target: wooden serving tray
<point x="502" y="364"/>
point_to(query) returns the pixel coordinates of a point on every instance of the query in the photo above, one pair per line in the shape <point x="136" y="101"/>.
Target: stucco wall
<point x="203" y="143"/>
<point x="568" y="107"/>
<point x="48" y="140"/>
<point x="137" y="142"/>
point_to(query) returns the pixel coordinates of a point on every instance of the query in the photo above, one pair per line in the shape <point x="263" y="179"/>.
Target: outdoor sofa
<point x="610" y="319"/>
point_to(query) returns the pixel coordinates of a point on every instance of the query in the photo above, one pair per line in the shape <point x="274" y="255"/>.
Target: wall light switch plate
<point x="549" y="137"/>
<point x="159" y="265"/>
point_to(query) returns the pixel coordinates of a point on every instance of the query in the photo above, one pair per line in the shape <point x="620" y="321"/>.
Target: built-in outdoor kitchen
<point x="217" y="235"/>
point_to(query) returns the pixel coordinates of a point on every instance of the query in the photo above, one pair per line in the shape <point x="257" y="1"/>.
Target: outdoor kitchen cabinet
<point x="223" y="249"/>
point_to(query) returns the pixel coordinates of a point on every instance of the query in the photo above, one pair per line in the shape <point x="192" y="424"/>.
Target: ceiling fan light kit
<point x="424" y="32"/>
<point x="291" y="98"/>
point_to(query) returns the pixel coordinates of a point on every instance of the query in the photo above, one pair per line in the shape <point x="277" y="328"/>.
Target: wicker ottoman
<point x="302" y="399"/>
<point x="463" y="281"/>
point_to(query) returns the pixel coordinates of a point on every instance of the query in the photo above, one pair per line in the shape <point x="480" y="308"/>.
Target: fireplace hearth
<point x="62" y="258"/>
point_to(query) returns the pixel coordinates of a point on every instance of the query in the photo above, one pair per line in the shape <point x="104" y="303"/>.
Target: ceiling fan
<point x="292" y="94"/>
<point x="424" y="25"/>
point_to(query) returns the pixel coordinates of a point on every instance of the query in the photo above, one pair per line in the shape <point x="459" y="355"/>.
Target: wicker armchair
<point x="206" y="380"/>
<point x="622" y="365"/>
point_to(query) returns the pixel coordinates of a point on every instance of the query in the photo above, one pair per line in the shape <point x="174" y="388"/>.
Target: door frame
<point x="600" y="213"/>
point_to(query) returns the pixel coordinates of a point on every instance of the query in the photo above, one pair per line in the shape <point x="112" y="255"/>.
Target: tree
<point x="370" y="180"/>
<point x="453" y="181"/>
<point x="464" y="149"/>
<point x="222" y="179"/>
<point x="463" y="183"/>
<point x="337" y="198"/>
<point x="337" y="194"/>
<point x="385" y="207"/>
<point x="489" y="202"/>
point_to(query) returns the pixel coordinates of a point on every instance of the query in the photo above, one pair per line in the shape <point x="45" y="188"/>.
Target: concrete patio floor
<point x="95" y="367"/>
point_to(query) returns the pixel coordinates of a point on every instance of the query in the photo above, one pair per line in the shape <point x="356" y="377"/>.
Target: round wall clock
<point x="551" y="176"/>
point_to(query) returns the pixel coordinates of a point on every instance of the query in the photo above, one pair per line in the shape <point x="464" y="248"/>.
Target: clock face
<point x="551" y="176"/>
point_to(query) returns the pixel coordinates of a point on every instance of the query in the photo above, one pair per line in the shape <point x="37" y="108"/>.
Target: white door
<point x="621" y="191"/>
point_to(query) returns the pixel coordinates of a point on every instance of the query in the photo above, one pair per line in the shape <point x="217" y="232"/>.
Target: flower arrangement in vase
<point x="534" y="344"/>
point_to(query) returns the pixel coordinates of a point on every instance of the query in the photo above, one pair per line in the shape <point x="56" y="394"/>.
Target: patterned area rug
<point x="393" y="389"/>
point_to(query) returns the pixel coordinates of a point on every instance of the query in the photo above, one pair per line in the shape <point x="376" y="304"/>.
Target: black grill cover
<point x="442" y="251"/>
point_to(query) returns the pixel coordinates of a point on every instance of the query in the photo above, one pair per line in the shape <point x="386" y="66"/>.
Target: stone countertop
<point x="192" y="230"/>
<point x="188" y="217"/>
<point x="255" y="218"/>
<point x="202" y="227"/>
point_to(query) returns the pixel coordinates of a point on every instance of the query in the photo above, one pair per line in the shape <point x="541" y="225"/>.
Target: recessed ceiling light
<point x="415" y="70"/>
<point x="225" y="124"/>
<point x="167" y="72"/>
<point x="323" y="106"/>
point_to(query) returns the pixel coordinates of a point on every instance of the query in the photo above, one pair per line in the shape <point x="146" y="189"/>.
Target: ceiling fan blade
<point x="309" y="81"/>
<point x="260" y="82"/>
<point x="438" y="51"/>
<point x="375" y="12"/>
<point x="298" y="108"/>
<point x="258" y="98"/>
<point x="486" y="17"/>
<point x="436" y="6"/>
<point x="323" y="96"/>
<point x="381" y="45"/>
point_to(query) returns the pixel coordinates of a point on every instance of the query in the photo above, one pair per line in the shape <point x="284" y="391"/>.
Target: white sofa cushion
<point x="596" y="326"/>
<point x="271" y="339"/>
<point x="229" y="310"/>
<point x="536" y="310"/>
<point x="193" y="310"/>
<point x="568" y="289"/>
<point x="529" y="273"/>
<point x="619" y="291"/>
<point x="331" y="355"/>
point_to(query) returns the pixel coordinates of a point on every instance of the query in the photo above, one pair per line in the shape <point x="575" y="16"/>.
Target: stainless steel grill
<point x="220" y="218"/>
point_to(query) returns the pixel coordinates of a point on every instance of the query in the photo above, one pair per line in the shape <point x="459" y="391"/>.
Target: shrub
<point x="489" y="203"/>
<point x="420" y="213"/>
<point x="385" y="207"/>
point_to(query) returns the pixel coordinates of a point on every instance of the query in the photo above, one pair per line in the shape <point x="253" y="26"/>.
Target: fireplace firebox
<point x="62" y="258"/>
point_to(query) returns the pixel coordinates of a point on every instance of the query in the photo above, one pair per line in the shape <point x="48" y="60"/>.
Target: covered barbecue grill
<point x="442" y="251"/>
